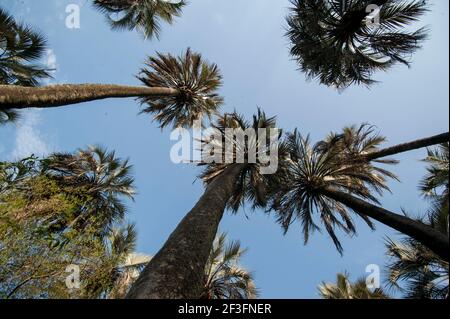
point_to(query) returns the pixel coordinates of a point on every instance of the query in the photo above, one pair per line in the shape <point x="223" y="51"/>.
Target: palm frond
<point x="333" y="43"/>
<point x="145" y="16"/>
<point x="197" y="82"/>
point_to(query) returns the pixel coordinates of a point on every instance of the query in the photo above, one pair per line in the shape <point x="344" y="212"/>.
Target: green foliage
<point x="309" y="170"/>
<point x="224" y="277"/>
<point x="414" y="269"/>
<point x="344" y="289"/>
<point x="20" y="46"/>
<point x="31" y="266"/>
<point x="251" y="185"/>
<point x="144" y="15"/>
<point x="59" y="211"/>
<point x="197" y="82"/>
<point x="332" y="41"/>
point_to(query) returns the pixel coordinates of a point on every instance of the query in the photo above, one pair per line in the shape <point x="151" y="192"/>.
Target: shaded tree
<point x="144" y="15"/>
<point x="338" y="43"/>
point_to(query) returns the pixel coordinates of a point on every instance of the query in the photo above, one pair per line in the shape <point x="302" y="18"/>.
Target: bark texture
<point x="410" y="146"/>
<point x="434" y="240"/>
<point x="177" y="271"/>
<point x="19" y="97"/>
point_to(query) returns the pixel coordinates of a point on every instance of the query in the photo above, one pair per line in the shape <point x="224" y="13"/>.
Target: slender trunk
<point x="406" y="147"/>
<point x="19" y="97"/>
<point x="431" y="238"/>
<point x="178" y="269"/>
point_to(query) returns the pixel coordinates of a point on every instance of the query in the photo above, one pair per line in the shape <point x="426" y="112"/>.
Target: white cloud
<point x="29" y="138"/>
<point x="51" y="64"/>
<point x="51" y="59"/>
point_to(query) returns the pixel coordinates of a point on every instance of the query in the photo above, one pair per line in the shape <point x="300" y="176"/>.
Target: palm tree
<point x="344" y="289"/>
<point x="68" y="192"/>
<point x="336" y="42"/>
<point x="177" y="269"/>
<point x="119" y="265"/>
<point x="224" y="278"/>
<point x="20" y="47"/>
<point x="177" y="90"/>
<point x="435" y="184"/>
<point x="333" y="177"/>
<point x="416" y="271"/>
<point x="143" y="15"/>
<point x="105" y="178"/>
<point x="413" y="268"/>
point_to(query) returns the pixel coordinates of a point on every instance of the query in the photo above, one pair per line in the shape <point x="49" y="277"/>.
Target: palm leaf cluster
<point x="416" y="271"/>
<point x="310" y="170"/>
<point x="68" y="192"/>
<point x="197" y="82"/>
<point x="118" y="266"/>
<point x="224" y="278"/>
<point x="20" y="48"/>
<point x="413" y="268"/>
<point x="251" y="185"/>
<point x="344" y="289"/>
<point x="106" y="179"/>
<point x="336" y="42"/>
<point x="435" y="184"/>
<point x="143" y="15"/>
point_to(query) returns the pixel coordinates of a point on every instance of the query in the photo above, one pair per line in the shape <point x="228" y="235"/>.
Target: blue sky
<point x="245" y="38"/>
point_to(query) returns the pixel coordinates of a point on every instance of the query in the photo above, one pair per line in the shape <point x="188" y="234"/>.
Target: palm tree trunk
<point x="410" y="146"/>
<point x="433" y="239"/>
<point x="177" y="271"/>
<point x="19" y="97"/>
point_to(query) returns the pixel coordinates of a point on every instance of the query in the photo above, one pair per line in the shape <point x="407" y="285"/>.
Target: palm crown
<point x="197" y="82"/>
<point x="224" y="278"/>
<point x="337" y="42"/>
<point x="143" y="15"/>
<point x="310" y="169"/>
<point x="251" y="184"/>
<point x="20" y="47"/>
<point x="105" y="178"/>
<point x="344" y="289"/>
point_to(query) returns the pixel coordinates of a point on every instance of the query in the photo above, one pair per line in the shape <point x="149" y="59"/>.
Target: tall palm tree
<point x="325" y="179"/>
<point x="176" y="90"/>
<point x="143" y="15"/>
<point x="335" y="41"/>
<point x="344" y="289"/>
<point x="177" y="269"/>
<point x="20" y="48"/>
<point x="224" y="278"/>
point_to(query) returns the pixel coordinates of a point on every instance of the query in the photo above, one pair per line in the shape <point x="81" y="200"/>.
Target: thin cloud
<point x="29" y="138"/>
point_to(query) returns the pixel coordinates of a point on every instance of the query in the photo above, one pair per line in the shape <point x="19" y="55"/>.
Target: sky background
<point x="246" y="40"/>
